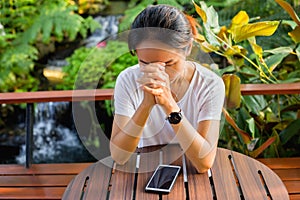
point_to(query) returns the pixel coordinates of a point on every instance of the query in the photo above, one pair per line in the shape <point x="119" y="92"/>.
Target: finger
<point x="154" y="91"/>
<point x="153" y="67"/>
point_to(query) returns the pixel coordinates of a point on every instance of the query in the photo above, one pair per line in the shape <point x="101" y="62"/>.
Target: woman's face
<point x="157" y="52"/>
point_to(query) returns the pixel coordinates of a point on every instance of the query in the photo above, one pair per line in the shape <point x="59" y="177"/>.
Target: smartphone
<point x="163" y="179"/>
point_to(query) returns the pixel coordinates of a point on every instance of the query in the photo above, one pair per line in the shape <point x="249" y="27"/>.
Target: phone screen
<point x="163" y="178"/>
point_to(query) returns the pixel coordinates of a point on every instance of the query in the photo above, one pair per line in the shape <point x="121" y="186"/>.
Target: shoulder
<point x="129" y="74"/>
<point x="207" y="77"/>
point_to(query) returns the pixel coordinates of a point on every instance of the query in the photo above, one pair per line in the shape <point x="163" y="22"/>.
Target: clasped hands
<point x="155" y="81"/>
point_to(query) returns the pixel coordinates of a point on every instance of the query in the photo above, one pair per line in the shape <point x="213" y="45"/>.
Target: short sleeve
<point x="126" y="93"/>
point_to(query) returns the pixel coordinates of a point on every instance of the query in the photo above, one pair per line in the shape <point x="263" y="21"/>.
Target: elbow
<point x="203" y="168"/>
<point x="118" y="155"/>
<point x="120" y="160"/>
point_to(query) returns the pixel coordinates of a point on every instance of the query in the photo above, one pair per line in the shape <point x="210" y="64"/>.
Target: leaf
<point x="298" y="52"/>
<point x="232" y="90"/>
<point x="291" y="130"/>
<point x="274" y="60"/>
<point x="254" y="103"/>
<point x="240" y="19"/>
<point x="295" y="34"/>
<point x="261" y="148"/>
<point x="266" y="28"/>
<point x="255" y="47"/>
<point x="200" y="12"/>
<point x="289" y="9"/>
<point x="251" y="125"/>
<point x="245" y="136"/>
<point x="285" y="50"/>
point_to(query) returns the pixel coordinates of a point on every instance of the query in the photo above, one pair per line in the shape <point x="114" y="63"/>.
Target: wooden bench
<point x="288" y="169"/>
<point x="49" y="181"/>
<point x="40" y="181"/>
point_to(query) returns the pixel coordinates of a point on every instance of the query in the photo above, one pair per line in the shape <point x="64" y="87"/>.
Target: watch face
<point x="175" y="117"/>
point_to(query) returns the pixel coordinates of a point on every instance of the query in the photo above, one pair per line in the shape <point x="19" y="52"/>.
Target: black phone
<point x="163" y="179"/>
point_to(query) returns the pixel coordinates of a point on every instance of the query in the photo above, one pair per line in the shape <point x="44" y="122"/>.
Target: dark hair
<point x="162" y="23"/>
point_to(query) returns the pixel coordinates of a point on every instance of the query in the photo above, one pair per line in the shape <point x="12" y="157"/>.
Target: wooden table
<point x="233" y="176"/>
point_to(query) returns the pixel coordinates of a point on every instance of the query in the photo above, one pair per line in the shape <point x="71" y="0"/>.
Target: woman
<point x="166" y="98"/>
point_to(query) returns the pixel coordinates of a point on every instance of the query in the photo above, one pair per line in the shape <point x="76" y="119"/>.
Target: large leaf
<point x="261" y="148"/>
<point x="266" y="28"/>
<point x="244" y="135"/>
<point x="290" y="131"/>
<point x="232" y="90"/>
<point x="274" y="60"/>
<point x="289" y="9"/>
<point x="240" y="19"/>
<point x="254" y="103"/>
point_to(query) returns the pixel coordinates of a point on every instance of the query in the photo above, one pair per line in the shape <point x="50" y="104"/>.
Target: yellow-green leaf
<point x="223" y="35"/>
<point x="232" y="90"/>
<point x="295" y="34"/>
<point x="257" y="49"/>
<point x="257" y="29"/>
<point x="206" y="47"/>
<point x="240" y="19"/>
<point x="200" y="12"/>
<point x="234" y="50"/>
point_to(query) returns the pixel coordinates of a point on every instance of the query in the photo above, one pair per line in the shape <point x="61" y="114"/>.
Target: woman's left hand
<point x="156" y="81"/>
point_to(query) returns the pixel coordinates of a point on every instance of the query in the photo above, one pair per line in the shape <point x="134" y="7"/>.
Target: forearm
<point x="200" y="150"/>
<point x="126" y="134"/>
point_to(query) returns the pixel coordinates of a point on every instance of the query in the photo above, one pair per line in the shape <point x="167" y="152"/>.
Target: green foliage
<point x="27" y="23"/>
<point x="267" y="124"/>
<point x="91" y="68"/>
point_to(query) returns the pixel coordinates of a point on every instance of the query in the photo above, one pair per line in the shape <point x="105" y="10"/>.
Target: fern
<point x="27" y="22"/>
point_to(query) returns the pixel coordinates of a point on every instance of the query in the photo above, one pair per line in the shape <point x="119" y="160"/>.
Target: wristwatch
<point x="174" y="117"/>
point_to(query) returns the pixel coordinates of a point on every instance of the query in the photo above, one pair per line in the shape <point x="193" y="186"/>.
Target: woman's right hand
<point x="151" y="78"/>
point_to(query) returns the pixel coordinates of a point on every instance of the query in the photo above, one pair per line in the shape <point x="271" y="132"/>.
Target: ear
<point x="188" y="49"/>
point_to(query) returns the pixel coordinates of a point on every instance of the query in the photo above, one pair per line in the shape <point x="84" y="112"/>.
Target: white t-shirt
<point x="203" y="100"/>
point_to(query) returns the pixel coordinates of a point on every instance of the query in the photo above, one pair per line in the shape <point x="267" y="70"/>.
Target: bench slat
<point x="293" y="187"/>
<point x="295" y="197"/>
<point x="281" y="163"/>
<point x="32" y="193"/>
<point x="60" y="168"/>
<point x="288" y="174"/>
<point x="32" y="180"/>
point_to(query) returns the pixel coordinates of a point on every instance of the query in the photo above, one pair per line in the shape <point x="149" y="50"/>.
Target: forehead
<point x="155" y="51"/>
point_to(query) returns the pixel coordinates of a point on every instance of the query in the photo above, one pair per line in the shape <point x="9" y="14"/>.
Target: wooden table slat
<point x="96" y="177"/>
<point x="251" y="182"/>
<point x="149" y="159"/>
<point x="199" y="186"/>
<point x="122" y="180"/>
<point x="224" y="181"/>
<point x="175" y="158"/>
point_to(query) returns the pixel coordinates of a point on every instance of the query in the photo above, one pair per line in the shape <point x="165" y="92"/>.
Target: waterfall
<point x="54" y="138"/>
<point x="109" y="27"/>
